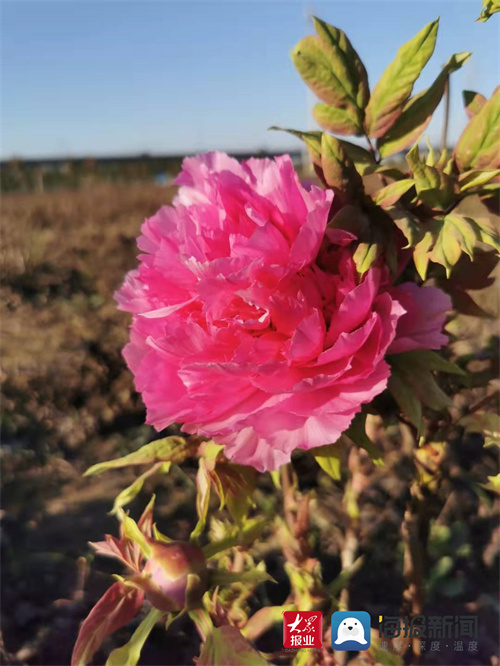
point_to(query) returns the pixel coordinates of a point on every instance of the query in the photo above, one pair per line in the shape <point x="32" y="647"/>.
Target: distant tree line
<point x="18" y="175"/>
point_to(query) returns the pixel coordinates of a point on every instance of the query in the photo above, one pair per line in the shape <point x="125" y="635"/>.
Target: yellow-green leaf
<point x="476" y="179"/>
<point x="329" y="458"/>
<point x="490" y="7"/>
<point x="434" y="187"/>
<point x="390" y="194"/>
<point x="396" y="84"/>
<point x="130" y="492"/>
<point x="172" y="449"/>
<point x="417" y="112"/>
<point x="129" y="654"/>
<point x="407" y="223"/>
<point x="340" y="121"/>
<point x="421" y="253"/>
<point x="479" y="145"/>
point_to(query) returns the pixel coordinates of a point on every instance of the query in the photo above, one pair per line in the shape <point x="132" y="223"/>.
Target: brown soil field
<point x="68" y="402"/>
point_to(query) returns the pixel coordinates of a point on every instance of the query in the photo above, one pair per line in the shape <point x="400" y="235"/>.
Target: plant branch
<point x="446" y="118"/>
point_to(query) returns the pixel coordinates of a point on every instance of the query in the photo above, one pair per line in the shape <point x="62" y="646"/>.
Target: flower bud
<point x="165" y="576"/>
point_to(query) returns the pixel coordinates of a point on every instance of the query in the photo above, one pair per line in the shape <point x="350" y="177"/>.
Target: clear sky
<point x="114" y="77"/>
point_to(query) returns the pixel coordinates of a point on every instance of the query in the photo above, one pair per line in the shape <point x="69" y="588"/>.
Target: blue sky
<point x="113" y="77"/>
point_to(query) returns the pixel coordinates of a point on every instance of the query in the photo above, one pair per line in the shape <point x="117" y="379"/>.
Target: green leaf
<point x="390" y="194"/>
<point x="473" y="102"/>
<point x="172" y="449"/>
<point x="420" y="379"/>
<point x="434" y="187"/>
<point x="347" y="61"/>
<point x="406" y="398"/>
<point x="357" y="434"/>
<point x="338" y="169"/>
<point x="129" y="654"/>
<point x="329" y="458"/>
<point x="479" y="145"/>
<point x="338" y="120"/>
<point x="417" y="112"/>
<point x="431" y="360"/>
<point x="396" y="84"/>
<point x="311" y="139"/>
<point x="490" y="7"/>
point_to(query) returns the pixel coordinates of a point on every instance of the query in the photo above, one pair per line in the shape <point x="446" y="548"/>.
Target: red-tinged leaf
<point x="114" y="610"/>
<point x="347" y="62"/>
<point x="145" y="522"/>
<point x="263" y="619"/>
<point x="417" y="112"/>
<point x="317" y="70"/>
<point x="338" y="120"/>
<point x="396" y="84"/>
<point x="473" y="102"/>
<point x="122" y="550"/>
<point x="338" y="169"/>
<point x="479" y="145"/>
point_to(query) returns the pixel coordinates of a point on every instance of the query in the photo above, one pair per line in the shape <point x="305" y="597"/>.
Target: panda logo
<point x="351" y="629"/>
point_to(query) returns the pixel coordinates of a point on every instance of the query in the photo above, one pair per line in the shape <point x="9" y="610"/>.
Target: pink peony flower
<point x="251" y="324"/>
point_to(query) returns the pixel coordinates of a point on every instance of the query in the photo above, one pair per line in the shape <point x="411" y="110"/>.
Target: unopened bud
<point x="165" y="576"/>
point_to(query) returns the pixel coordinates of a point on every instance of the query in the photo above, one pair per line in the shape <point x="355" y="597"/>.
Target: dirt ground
<point x="68" y="402"/>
